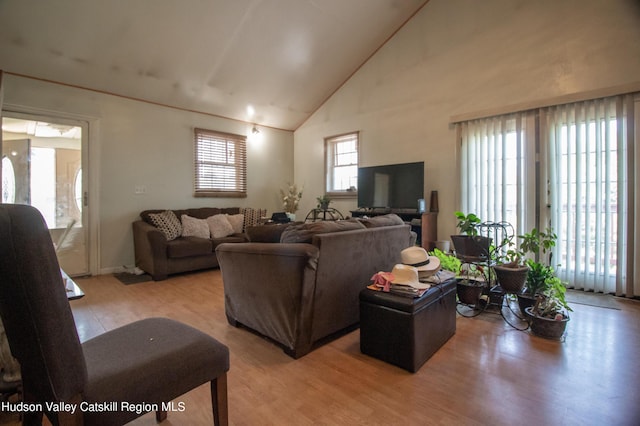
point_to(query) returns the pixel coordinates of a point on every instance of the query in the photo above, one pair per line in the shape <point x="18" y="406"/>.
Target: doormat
<point x="128" y="278"/>
<point x="592" y="299"/>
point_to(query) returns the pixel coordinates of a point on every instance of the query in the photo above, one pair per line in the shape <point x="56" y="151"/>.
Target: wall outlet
<point x="140" y="189"/>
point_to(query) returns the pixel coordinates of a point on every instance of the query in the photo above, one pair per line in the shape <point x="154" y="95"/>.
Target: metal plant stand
<point x="493" y="298"/>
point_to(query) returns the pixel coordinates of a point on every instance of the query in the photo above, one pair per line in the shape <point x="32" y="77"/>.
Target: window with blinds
<point x="574" y="174"/>
<point x="341" y="164"/>
<point x="220" y="164"/>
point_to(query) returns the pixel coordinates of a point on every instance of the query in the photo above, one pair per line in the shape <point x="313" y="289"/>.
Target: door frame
<point x="90" y="173"/>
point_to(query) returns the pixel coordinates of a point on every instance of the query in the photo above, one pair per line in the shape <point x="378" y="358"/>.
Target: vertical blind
<point x="497" y="181"/>
<point x="588" y="175"/>
<point x="571" y="167"/>
<point x="220" y="164"/>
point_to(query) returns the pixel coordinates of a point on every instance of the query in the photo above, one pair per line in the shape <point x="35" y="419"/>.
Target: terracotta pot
<point x="547" y="327"/>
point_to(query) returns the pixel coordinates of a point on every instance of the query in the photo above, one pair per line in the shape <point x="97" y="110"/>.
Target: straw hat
<point x="407" y="275"/>
<point x="419" y="258"/>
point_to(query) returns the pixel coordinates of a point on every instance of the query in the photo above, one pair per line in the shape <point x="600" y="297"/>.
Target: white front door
<point x="45" y="167"/>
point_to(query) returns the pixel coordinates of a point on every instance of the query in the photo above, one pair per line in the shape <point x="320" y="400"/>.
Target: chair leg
<point x="219" y="400"/>
<point x="65" y="418"/>
<point x="161" y="415"/>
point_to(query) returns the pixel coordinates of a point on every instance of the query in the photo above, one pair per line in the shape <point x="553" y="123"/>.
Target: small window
<point x="220" y="164"/>
<point x="341" y="159"/>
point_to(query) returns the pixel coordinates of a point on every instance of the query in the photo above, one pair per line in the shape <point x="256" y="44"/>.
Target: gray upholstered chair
<point x="150" y="361"/>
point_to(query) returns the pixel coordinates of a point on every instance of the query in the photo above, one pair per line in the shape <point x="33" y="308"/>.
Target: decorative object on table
<point x="291" y="198"/>
<point x="323" y="202"/>
<point x="443" y="245"/>
<point x="419" y="258"/>
<point x="280" y="217"/>
<point x="433" y="203"/>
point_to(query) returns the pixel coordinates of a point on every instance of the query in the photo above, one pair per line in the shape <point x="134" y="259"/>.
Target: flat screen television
<point x="393" y="186"/>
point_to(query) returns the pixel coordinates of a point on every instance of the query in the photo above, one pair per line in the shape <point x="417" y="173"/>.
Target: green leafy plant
<point x="323" y="201"/>
<point x="467" y="223"/>
<point x="534" y="243"/>
<point x="538" y="243"/>
<point x="537" y="277"/>
<point x="551" y="303"/>
<point x="447" y="261"/>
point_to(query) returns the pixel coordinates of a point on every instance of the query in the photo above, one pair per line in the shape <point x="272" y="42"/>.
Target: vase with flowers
<point x="290" y="197"/>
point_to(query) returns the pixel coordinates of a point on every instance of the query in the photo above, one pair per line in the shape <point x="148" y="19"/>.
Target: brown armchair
<point x="150" y="361"/>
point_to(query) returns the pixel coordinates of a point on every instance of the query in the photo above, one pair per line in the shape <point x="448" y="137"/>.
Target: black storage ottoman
<point x="407" y="331"/>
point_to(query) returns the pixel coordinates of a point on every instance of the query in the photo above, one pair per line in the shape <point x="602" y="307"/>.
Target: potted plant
<point x="323" y="202"/>
<point x="538" y="243"/>
<point x="290" y="199"/>
<point x="470" y="278"/>
<point x="536" y="283"/>
<point x="549" y="315"/>
<point x="510" y="268"/>
<point x="468" y="245"/>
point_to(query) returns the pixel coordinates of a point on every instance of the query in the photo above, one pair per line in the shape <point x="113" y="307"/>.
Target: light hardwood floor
<point x="487" y="374"/>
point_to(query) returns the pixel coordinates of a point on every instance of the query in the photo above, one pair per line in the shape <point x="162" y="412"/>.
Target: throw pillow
<point x="193" y="227"/>
<point x="168" y="223"/>
<point x="252" y="216"/>
<point x="237" y="222"/>
<point x="219" y="226"/>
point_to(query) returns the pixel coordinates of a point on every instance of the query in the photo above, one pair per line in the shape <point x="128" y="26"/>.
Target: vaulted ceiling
<point x="280" y="58"/>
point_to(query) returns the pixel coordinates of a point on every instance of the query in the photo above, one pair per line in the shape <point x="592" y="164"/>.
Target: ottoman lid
<point x="404" y="303"/>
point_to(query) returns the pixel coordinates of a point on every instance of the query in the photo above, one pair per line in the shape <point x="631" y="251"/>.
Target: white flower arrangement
<point x="291" y="197"/>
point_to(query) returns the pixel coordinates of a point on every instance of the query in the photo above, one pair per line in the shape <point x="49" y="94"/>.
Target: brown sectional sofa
<point x="304" y="290"/>
<point x="160" y="258"/>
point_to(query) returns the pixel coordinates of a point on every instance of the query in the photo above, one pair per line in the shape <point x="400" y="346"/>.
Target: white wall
<point x="462" y="56"/>
<point x="135" y="143"/>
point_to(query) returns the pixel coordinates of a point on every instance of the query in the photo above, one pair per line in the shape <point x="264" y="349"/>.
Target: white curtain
<point x="590" y="164"/>
<point x="498" y="169"/>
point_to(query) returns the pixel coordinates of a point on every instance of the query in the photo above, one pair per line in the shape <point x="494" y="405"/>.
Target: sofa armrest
<point x="150" y="247"/>
<point x="270" y="288"/>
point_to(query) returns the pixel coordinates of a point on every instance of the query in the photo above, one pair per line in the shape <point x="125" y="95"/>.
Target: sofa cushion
<point x="237" y="222"/>
<point x="168" y="223"/>
<point x="383" y="220"/>
<point x="189" y="246"/>
<point x="303" y="233"/>
<point x="270" y="233"/>
<point x="235" y="238"/>
<point x="193" y="227"/>
<point x="219" y="226"/>
<point x="205" y="212"/>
